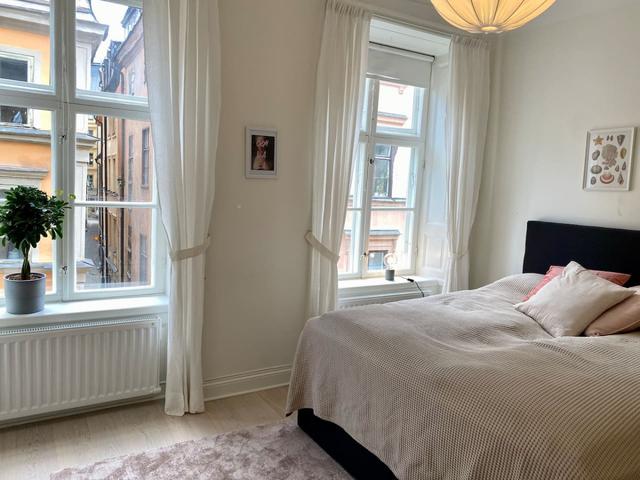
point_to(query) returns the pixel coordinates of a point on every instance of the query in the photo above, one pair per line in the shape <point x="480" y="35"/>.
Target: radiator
<point x="369" y="295"/>
<point x="52" y="368"/>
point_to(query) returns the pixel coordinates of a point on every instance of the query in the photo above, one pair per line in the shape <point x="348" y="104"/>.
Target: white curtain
<point x="182" y="49"/>
<point x="466" y="131"/>
<point x="339" y="84"/>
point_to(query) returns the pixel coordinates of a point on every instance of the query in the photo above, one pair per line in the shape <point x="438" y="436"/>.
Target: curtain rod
<point x="406" y="50"/>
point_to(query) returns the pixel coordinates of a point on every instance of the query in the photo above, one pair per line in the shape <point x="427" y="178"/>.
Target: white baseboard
<point x="246" y="382"/>
<point x="78" y="411"/>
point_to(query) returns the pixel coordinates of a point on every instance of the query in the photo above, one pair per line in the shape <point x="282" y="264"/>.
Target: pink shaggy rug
<point x="278" y="452"/>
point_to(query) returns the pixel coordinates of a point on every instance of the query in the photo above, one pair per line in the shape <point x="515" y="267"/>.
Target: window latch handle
<point x="372" y="161"/>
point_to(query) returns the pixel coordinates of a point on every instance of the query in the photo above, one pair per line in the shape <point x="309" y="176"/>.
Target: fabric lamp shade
<point x="490" y="16"/>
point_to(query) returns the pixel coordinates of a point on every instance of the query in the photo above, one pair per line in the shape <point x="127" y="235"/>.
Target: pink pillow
<point x="554" y="271"/>
<point x="622" y="318"/>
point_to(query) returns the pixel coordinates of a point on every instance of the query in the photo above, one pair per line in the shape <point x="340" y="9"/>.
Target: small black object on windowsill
<point x="390" y="275"/>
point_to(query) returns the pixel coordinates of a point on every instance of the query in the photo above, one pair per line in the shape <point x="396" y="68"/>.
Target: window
<point x="26" y="159"/>
<point x="129" y="250"/>
<point x="130" y="162"/>
<point x="14" y="115"/>
<point x="100" y="101"/>
<point x="145" y="158"/>
<point x="399" y="108"/>
<point x="386" y="182"/>
<point x="376" y="259"/>
<point x="144" y="259"/>
<point x="14" y="67"/>
<point x="132" y="82"/>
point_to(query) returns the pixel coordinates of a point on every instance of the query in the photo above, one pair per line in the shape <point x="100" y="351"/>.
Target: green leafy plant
<point x="28" y="215"/>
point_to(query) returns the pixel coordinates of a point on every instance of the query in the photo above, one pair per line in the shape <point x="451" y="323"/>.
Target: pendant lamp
<point x="490" y="16"/>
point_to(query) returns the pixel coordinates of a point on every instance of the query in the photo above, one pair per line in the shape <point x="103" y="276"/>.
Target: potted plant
<point x="27" y="215"/>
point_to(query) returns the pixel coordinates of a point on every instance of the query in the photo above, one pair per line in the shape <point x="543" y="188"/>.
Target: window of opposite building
<point x="130" y="162"/>
<point x="19" y="68"/>
<point x="145" y="157"/>
<point x="144" y="257"/>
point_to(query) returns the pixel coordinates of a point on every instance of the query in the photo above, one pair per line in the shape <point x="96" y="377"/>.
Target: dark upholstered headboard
<point x="595" y="248"/>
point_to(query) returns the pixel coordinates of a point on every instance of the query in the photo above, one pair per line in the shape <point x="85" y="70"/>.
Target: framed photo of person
<point x="261" y="153"/>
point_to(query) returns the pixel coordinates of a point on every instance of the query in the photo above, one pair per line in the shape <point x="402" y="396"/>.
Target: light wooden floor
<point x="34" y="451"/>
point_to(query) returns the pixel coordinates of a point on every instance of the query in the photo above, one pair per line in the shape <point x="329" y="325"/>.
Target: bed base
<point x="353" y="457"/>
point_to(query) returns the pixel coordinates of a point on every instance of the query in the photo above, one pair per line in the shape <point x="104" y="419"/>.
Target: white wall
<point x="257" y="265"/>
<point x="558" y="80"/>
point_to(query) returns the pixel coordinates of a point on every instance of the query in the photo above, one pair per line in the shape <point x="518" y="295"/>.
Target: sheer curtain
<point x="341" y="70"/>
<point x="182" y="49"/>
<point x="466" y="131"/>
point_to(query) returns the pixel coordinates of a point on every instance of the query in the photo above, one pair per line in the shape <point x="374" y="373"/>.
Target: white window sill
<point x="378" y="290"/>
<point x="62" y="312"/>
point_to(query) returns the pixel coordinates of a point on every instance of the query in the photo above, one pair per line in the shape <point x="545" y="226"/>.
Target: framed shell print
<point x="609" y="159"/>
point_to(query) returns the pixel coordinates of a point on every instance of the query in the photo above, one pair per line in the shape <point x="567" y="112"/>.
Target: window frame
<point x="130" y="162"/>
<point x="145" y="151"/>
<point x="369" y="137"/>
<point x="30" y="59"/>
<point x="64" y="101"/>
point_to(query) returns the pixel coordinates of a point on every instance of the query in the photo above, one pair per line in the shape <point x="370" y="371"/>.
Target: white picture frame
<point x="261" y="153"/>
<point x="608" y="164"/>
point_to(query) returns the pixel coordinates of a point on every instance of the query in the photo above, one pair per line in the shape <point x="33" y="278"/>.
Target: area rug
<point x="281" y="451"/>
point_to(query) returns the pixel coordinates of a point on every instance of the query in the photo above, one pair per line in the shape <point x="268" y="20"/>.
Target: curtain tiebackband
<point x="459" y="256"/>
<point x="320" y="247"/>
<point x="186" y="253"/>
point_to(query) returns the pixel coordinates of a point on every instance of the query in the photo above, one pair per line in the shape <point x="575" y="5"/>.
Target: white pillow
<point x="568" y="304"/>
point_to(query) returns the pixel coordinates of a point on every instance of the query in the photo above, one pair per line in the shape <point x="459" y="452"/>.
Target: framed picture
<point x="261" y="153"/>
<point x="607" y="166"/>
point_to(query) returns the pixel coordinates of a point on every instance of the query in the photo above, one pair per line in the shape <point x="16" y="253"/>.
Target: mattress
<point x="463" y="386"/>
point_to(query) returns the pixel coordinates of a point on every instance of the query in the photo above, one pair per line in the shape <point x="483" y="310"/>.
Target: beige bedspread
<point x="463" y="386"/>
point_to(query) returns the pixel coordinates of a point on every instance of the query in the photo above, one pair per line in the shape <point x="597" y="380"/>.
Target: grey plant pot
<point x="25" y="296"/>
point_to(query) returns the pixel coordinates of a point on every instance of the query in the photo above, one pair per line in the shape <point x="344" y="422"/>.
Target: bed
<point x="464" y="387"/>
